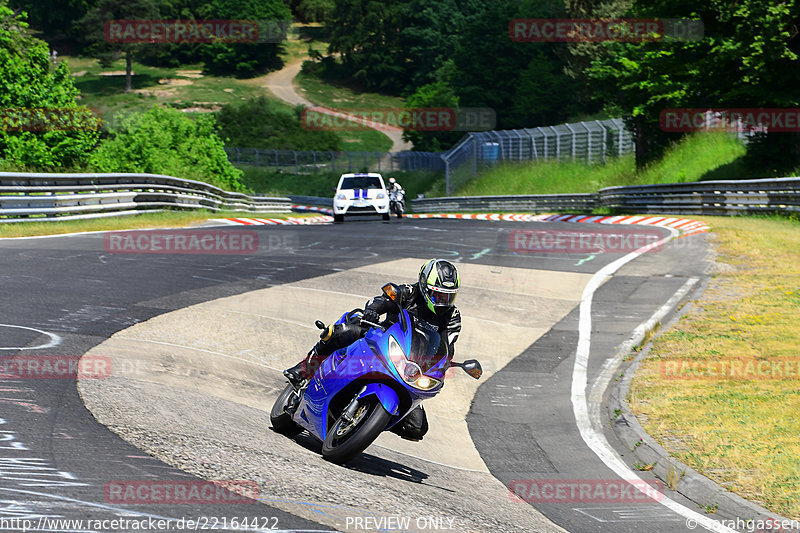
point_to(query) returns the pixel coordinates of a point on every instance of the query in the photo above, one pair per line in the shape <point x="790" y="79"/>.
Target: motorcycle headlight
<point x="396" y="353"/>
<point x="409" y="370"/>
<point x="426" y="383"/>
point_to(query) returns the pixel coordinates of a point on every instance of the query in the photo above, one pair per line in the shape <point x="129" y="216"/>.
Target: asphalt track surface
<point x="57" y="459"/>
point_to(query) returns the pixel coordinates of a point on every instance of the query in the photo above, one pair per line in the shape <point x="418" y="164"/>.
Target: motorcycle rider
<point x="430" y="299"/>
<point x="394" y="186"/>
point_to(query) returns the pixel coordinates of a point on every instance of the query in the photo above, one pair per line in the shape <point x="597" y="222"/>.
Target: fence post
<point x="474" y="156"/>
<point x="558" y="143"/>
<point x="574" y="144"/>
<point x="258" y="163"/>
<point x="447" y="177"/>
<point x="588" y="143"/>
<point x="316" y="168"/>
<point x="296" y="167"/>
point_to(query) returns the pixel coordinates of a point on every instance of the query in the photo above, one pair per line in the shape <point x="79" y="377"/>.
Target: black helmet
<point x="438" y="283"/>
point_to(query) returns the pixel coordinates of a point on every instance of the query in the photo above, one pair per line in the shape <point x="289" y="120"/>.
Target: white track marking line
<point x="55" y="340"/>
<point x="212" y="352"/>
<point x="612" y="363"/>
<point x="596" y="440"/>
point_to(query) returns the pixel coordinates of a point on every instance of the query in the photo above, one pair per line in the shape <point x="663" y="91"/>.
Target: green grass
<point x="738" y="428"/>
<point x="166" y="219"/>
<point x="302" y="37"/>
<point x="185" y="88"/>
<point x="698" y="157"/>
<point x="339" y="95"/>
<point x="366" y="141"/>
<point x="267" y="182"/>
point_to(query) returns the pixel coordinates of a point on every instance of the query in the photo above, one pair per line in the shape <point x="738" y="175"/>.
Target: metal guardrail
<point x="44" y="197"/>
<point x="538" y="203"/>
<point x="707" y="197"/>
<point x="697" y="198"/>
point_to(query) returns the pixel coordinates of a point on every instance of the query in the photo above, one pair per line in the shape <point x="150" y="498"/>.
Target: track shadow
<point x="372" y="465"/>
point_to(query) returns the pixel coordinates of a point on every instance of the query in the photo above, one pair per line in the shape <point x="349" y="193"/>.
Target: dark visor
<point x="439" y="297"/>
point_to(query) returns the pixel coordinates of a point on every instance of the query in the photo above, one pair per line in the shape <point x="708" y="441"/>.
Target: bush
<point x="261" y="123"/>
<point x="166" y="141"/>
<point x="42" y="125"/>
<point x="244" y="59"/>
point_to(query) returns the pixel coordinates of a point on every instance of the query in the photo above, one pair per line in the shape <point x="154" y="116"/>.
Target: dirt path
<point x="281" y="83"/>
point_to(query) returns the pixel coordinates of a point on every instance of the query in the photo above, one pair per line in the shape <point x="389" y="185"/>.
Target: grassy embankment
<point x="167" y="219"/>
<point x="699" y="157"/>
<point x="721" y="390"/>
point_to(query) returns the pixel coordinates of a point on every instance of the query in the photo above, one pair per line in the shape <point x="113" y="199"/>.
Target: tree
<point x="744" y="60"/>
<point x="98" y="44"/>
<point x="397" y="45"/>
<point x="312" y="10"/>
<point x="53" y="16"/>
<point x="42" y="125"/>
<point x="167" y="141"/>
<point x="244" y="59"/>
<point x="439" y="94"/>
<point x="525" y="83"/>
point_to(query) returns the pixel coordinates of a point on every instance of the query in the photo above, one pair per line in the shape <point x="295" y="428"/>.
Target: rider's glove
<point x="371" y="316"/>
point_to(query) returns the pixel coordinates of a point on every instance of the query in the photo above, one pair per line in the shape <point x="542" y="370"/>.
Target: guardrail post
<point x="296" y="166"/>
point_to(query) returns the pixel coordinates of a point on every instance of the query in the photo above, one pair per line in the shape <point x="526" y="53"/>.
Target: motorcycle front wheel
<point x="281" y="420"/>
<point x="348" y="438"/>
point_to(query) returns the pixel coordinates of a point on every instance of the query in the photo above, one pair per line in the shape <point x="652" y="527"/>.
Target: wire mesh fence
<point x="308" y="162"/>
<point x="587" y="142"/>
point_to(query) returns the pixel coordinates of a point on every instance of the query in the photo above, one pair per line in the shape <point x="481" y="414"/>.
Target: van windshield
<point x="361" y="182"/>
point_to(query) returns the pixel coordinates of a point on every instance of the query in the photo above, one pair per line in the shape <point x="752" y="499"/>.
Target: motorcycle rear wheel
<point x="346" y="440"/>
<point x="281" y="420"/>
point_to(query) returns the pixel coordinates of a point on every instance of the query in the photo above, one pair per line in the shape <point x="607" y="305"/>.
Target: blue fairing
<point x="365" y="368"/>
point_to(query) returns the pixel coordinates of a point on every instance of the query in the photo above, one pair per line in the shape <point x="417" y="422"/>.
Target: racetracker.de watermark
<point x="40" y="119"/>
<point x="741" y="368"/>
<point x="419" y="119"/>
<point x="54" y="367"/>
<point x="777" y="120"/>
<point x="235" y="242"/>
<point x="177" y="492"/>
<point x="599" y="30"/>
<point x="584" y="240"/>
<point x="196" y="31"/>
<point x="585" y="490"/>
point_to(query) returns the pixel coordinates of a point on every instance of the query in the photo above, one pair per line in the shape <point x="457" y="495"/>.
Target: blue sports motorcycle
<point x="368" y="387"/>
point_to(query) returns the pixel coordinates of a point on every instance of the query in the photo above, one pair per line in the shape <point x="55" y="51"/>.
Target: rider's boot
<point x="332" y="338"/>
<point x="306" y="368"/>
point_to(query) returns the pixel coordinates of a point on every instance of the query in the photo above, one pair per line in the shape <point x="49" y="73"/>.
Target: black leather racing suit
<point x="446" y="321"/>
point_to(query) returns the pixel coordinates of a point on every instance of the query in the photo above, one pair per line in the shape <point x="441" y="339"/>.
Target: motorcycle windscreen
<point x="425" y="344"/>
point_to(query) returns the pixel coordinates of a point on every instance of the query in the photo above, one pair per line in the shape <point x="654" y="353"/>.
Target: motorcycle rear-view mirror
<point x="392" y="291"/>
<point x="471" y="367"/>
